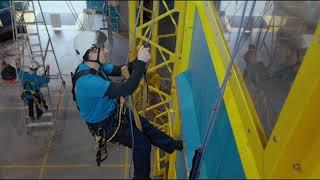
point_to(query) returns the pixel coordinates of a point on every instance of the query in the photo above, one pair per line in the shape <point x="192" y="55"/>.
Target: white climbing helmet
<point x="34" y="65"/>
<point x="87" y="39"/>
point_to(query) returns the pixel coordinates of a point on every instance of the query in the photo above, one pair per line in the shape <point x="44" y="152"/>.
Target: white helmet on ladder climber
<point x="34" y="66"/>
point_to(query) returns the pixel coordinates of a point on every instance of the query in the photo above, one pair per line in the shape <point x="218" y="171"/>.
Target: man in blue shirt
<point x="96" y="98"/>
<point x="31" y="87"/>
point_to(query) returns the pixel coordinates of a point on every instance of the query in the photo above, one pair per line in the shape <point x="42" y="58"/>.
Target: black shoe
<point x="178" y="145"/>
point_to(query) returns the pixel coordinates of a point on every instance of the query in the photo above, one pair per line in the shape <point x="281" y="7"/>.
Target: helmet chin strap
<point x="97" y="60"/>
<point x="33" y="69"/>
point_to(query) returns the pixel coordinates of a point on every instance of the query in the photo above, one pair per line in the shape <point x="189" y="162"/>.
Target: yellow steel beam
<point x="160" y="92"/>
<point x="167" y="35"/>
<point x="132" y="23"/>
<point x="170" y="15"/>
<point x="187" y="34"/>
<point x="165" y="59"/>
<point x="163" y="114"/>
<point x="154" y="68"/>
<point x="181" y="8"/>
<point x="147" y="10"/>
<point x="156" y="106"/>
<point x="155" y="28"/>
<point x="293" y="151"/>
<point x="155" y="45"/>
<point x="158" y="18"/>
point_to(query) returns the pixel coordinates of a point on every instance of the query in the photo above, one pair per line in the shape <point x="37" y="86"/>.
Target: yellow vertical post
<point x="293" y="148"/>
<point x="154" y="38"/>
<point x="155" y="28"/>
<point x="181" y="7"/>
<point x="132" y="24"/>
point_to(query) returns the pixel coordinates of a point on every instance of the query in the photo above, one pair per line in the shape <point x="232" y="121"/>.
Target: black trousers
<point x="142" y="142"/>
<point x="30" y="106"/>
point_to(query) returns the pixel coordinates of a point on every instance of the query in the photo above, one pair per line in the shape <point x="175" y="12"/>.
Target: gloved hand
<point x="18" y="65"/>
<point x="131" y="65"/>
<point x="144" y="54"/>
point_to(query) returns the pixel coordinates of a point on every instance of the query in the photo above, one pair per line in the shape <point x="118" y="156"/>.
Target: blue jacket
<point x="31" y="82"/>
<point x="90" y="93"/>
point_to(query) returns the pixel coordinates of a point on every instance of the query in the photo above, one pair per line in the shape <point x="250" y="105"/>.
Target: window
<point x="277" y="37"/>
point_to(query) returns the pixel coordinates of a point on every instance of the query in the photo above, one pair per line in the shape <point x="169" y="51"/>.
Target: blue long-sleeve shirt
<point x="31" y="81"/>
<point x="90" y="93"/>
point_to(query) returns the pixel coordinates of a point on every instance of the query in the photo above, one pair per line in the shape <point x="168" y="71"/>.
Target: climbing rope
<point x="131" y="104"/>
<point x="130" y="100"/>
<point x="199" y="153"/>
<point x="75" y="15"/>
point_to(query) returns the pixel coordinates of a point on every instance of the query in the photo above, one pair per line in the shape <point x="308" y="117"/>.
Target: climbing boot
<point x="178" y="145"/>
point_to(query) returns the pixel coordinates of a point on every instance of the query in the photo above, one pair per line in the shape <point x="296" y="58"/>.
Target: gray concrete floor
<point x="67" y="149"/>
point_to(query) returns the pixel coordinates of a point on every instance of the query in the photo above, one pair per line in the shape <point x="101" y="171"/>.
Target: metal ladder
<point x="23" y="34"/>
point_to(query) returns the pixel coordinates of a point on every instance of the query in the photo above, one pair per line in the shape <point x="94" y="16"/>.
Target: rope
<point x="256" y="23"/>
<point x="75" y="16"/>
<point x="134" y="31"/>
<point x="224" y="84"/>
<point x="154" y="9"/>
<point x="127" y="61"/>
<point x="129" y="108"/>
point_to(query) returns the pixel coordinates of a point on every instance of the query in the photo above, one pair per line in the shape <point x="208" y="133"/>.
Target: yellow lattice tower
<point x="159" y="105"/>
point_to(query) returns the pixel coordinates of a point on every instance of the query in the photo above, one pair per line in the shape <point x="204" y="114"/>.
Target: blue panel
<point x="191" y="135"/>
<point x="181" y="170"/>
<point x="95" y="4"/>
<point x="198" y="87"/>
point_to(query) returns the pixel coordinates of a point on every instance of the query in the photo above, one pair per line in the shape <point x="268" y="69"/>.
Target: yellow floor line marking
<point x="62" y="166"/>
<point x="126" y="175"/>
<point x="49" y="147"/>
<point x="45" y="159"/>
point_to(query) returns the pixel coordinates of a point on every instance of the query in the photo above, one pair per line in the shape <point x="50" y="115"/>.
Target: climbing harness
<point x="35" y="94"/>
<point x="75" y="76"/>
<point x="100" y="138"/>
